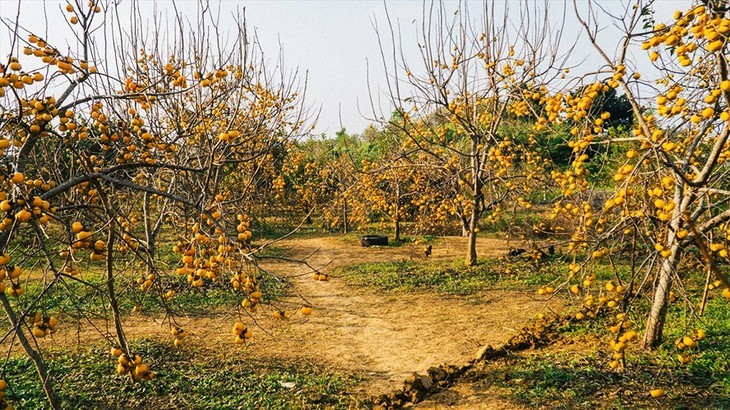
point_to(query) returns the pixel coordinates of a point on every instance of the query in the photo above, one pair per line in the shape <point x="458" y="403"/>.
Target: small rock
<point x="484" y="352"/>
<point x="417" y="382"/>
<point x="437" y="374"/>
<point x="426" y="383"/>
<point x="416" y="396"/>
<point x="394" y="399"/>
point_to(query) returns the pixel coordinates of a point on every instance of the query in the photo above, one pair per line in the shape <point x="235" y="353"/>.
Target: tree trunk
<point x="396" y="220"/>
<point x="658" y="313"/>
<point x="111" y="293"/>
<point x="471" y="249"/>
<point x="344" y="215"/>
<point x="149" y="234"/>
<point x="464" y="226"/>
<point x="476" y="203"/>
<point x="40" y="365"/>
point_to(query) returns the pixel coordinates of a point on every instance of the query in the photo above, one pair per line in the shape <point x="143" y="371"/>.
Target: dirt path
<point x="381" y="337"/>
<point x="388" y="337"/>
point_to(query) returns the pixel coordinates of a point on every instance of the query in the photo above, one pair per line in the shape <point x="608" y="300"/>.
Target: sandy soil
<point x="387" y="337"/>
<point x="383" y="338"/>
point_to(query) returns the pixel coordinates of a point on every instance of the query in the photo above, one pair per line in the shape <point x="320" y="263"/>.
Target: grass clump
<point x="451" y="278"/>
<point x="198" y="379"/>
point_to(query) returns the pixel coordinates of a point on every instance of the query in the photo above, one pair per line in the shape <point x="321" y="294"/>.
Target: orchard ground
<point x="385" y="313"/>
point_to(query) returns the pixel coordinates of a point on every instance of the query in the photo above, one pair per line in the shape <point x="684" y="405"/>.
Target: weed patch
<point x="184" y="379"/>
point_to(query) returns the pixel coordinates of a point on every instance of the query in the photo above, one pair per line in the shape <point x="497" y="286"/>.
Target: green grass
<point x="552" y="382"/>
<point x="452" y="278"/>
<point x="583" y="380"/>
<point x="579" y="377"/>
<point x="712" y="358"/>
<point x="408" y="276"/>
<point x="274" y="250"/>
<point x="277" y="229"/>
<point x="195" y="379"/>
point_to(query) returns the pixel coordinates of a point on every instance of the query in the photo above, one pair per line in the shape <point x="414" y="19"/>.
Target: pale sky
<point x="332" y="41"/>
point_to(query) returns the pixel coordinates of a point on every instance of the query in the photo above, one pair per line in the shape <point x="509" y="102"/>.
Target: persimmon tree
<point x="354" y="180"/>
<point x="315" y="178"/>
<point x="389" y="183"/>
<point x="683" y="145"/>
<point x="472" y="69"/>
<point x="115" y="137"/>
<point x="666" y="211"/>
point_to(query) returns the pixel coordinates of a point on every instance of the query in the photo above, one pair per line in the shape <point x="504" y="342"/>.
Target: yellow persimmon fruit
<point x="141" y="369"/>
<point x="701" y="335"/>
<point x="256" y="295"/>
<point x="95" y="257"/>
<point x="657" y="393"/>
<point x="714" y="46"/>
<point x="689" y="342"/>
<point x="726" y="293"/>
<point x="23" y="215"/>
